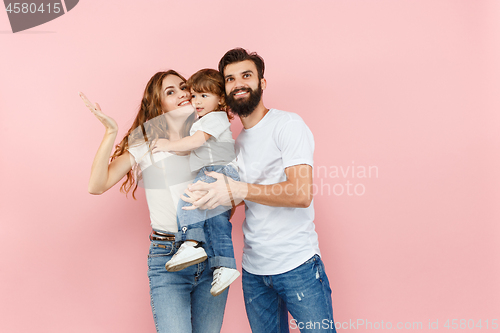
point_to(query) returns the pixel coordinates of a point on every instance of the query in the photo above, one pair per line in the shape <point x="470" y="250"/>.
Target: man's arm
<point x="295" y="191"/>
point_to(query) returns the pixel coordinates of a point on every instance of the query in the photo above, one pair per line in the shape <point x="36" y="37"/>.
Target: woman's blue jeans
<point x="181" y="301"/>
<point x="209" y="226"/>
<point x="304" y="291"/>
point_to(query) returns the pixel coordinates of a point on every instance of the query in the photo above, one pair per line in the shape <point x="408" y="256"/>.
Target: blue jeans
<point x="210" y="226"/>
<point x="304" y="291"/>
<point x="181" y="301"/>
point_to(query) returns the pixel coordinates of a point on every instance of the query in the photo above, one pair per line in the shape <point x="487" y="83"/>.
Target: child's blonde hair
<point x="209" y="81"/>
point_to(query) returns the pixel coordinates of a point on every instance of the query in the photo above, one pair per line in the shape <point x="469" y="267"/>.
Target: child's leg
<point x="219" y="242"/>
<point x="190" y="251"/>
<point x="191" y="234"/>
<point x="218" y="228"/>
<point x="191" y="222"/>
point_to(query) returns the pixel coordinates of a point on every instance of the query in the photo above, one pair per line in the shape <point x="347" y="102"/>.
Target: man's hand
<point x="224" y="191"/>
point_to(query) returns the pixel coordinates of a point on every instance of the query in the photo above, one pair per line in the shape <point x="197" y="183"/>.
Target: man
<point x="282" y="269"/>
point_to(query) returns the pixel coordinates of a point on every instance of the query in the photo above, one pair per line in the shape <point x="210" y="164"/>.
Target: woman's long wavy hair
<point x="143" y="130"/>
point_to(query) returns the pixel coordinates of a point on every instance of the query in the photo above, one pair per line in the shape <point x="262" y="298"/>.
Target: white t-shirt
<point x="164" y="181"/>
<point x="277" y="239"/>
<point x="219" y="148"/>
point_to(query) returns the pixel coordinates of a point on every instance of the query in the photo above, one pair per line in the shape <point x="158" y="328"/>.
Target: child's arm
<point x="185" y="144"/>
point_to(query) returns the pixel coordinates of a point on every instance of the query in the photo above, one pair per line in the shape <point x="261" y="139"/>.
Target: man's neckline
<point x="259" y="122"/>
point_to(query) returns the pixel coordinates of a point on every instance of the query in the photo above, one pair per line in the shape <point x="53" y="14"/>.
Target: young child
<point x="212" y="149"/>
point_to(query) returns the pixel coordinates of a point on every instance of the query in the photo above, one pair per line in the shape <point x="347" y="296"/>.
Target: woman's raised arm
<point x="105" y="175"/>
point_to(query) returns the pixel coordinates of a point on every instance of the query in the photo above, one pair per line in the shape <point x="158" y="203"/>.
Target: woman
<point x="181" y="301"/>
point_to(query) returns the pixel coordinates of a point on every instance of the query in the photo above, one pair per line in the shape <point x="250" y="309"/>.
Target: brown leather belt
<point x="160" y="236"/>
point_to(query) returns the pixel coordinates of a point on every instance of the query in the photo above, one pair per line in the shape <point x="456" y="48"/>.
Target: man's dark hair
<point x="238" y="55"/>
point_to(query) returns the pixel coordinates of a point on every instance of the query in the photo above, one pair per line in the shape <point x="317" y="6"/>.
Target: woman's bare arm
<point x="105" y="175"/>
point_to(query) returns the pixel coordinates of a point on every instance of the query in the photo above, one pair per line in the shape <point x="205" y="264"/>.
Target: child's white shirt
<point x="219" y="148"/>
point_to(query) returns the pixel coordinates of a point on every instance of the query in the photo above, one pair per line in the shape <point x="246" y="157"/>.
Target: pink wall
<point x="407" y="87"/>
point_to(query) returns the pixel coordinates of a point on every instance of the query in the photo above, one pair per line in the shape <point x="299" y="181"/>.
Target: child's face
<point x="204" y="102"/>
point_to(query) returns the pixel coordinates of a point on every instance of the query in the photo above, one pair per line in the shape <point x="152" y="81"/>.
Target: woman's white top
<point x="165" y="176"/>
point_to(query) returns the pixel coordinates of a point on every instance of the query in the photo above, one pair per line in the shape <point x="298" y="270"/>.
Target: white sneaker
<point x="223" y="277"/>
<point x="187" y="255"/>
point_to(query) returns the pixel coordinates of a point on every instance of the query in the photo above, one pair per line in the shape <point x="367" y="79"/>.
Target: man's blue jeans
<point x="210" y="226"/>
<point x="304" y="291"/>
<point x="181" y="301"/>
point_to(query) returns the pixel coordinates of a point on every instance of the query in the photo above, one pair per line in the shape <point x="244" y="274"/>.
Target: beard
<point x="245" y="106"/>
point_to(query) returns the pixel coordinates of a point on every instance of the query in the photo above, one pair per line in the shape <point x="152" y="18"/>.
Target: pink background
<point x="408" y="87"/>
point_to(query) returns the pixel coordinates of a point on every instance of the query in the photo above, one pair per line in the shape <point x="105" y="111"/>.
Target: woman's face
<point x="174" y="93"/>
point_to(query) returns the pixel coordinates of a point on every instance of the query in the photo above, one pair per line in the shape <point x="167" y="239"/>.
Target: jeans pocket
<point x="159" y="254"/>
<point x="321" y="275"/>
<point x="314" y="258"/>
<point x="158" y="249"/>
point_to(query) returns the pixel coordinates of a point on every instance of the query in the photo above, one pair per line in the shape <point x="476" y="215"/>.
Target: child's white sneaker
<point x="223" y="277"/>
<point x="188" y="254"/>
